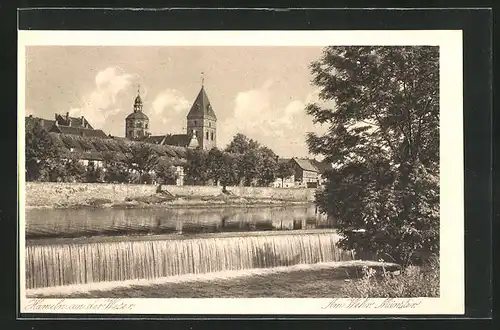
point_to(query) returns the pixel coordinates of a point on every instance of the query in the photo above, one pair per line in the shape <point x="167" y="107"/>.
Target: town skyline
<point x="253" y="90"/>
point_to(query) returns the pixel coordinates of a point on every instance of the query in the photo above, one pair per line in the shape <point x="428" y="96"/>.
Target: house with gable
<point x="305" y="174"/>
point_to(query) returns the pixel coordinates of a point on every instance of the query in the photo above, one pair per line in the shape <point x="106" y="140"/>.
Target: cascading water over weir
<point x="49" y="265"/>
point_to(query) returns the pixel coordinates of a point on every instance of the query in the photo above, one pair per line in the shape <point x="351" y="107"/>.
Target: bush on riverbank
<point x="411" y="282"/>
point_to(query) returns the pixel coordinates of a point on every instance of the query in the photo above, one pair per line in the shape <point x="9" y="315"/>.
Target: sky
<point x="258" y="91"/>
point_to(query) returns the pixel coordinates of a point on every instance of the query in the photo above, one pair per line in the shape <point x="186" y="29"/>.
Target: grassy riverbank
<point x="165" y="201"/>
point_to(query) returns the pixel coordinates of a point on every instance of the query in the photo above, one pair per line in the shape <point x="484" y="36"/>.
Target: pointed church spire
<point x="201" y="107"/>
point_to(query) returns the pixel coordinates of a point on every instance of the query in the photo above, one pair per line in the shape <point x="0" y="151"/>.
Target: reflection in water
<point x="92" y="222"/>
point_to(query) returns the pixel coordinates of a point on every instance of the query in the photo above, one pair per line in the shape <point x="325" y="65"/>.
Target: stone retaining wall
<point x="55" y="193"/>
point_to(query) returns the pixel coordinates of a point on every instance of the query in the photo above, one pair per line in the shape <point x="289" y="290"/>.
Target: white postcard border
<point x="451" y="300"/>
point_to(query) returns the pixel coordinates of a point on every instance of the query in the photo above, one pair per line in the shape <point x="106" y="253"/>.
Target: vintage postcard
<point x="241" y="172"/>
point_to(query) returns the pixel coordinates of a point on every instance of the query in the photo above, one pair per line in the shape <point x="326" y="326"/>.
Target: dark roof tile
<point x="201" y="107"/>
<point x="180" y="140"/>
<point x="154" y="139"/>
<point x="306" y="165"/>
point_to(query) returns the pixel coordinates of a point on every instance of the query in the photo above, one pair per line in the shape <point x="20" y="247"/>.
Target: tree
<point x="165" y="172"/>
<point x="252" y="160"/>
<point x="241" y="144"/>
<point x="94" y="173"/>
<point x="196" y="166"/>
<point x="229" y="176"/>
<point x="74" y="170"/>
<point x="250" y="166"/>
<point x="143" y="160"/>
<point x="216" y="165"/>
<point x="56" y="172"/>
<point x="284" y="171"/>
<point x="115" y="170"/>
<point x="383" y="139"/>
<point x="269" y="166"/>
<point x="41" y="154"/>
<point x="222" y="167"/>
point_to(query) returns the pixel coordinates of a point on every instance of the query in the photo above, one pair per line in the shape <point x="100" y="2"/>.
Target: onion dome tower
<point x="137" y="123"/>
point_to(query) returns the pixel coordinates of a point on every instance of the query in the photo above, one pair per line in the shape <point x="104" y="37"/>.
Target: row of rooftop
<point x="92" y="143"/>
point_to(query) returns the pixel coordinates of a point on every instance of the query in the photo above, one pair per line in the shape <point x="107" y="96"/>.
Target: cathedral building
<point x="201" y="130"/>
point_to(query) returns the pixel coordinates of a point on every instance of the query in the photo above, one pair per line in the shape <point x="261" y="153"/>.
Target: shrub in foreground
<point x="412" y="282"/>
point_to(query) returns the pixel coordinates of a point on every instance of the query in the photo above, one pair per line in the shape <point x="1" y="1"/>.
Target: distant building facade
<point x="65" y="124"/>
<point x="288" y="182"/>
<point x="306" y="173"/>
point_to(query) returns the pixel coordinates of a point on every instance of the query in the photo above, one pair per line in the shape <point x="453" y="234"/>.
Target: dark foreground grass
<point x="325" y="283"/>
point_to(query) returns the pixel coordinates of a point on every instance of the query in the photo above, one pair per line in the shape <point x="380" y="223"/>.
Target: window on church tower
<point x="206" y="135"/>
<point x="212" y="136"/>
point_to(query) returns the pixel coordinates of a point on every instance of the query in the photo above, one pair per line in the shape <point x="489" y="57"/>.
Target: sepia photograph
<point x="225" y="170"/>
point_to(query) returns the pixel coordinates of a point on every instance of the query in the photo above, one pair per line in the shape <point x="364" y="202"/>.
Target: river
<point x="86" y="246"/>
<point x="47" y="223"/>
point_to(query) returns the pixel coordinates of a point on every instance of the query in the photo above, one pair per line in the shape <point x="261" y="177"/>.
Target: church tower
<point x="202" y="121"/>
<point x="137" y="123"/>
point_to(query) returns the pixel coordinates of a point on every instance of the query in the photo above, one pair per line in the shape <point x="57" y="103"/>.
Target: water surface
<point x="47" y="223"/>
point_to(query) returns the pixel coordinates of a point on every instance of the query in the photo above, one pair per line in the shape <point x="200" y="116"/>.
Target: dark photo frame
<point x="476" y="27"/>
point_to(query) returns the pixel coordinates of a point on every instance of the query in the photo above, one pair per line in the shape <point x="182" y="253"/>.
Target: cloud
<point x="282" y="127"/>
<point x="169" y="106"/>
<point x="112" y="97"/>
<point x="102" y="101"/>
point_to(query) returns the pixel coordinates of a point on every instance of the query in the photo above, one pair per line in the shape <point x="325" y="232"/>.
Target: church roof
<point x="174" y="140"/>
<point x="181" y="140"/>
<point x="137" y="115"/>
<point x="201" y="107"/>
<point x="155" y="139"/>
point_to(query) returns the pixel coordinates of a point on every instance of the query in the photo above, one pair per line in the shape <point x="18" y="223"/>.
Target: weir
<point x="52" y="265"/>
